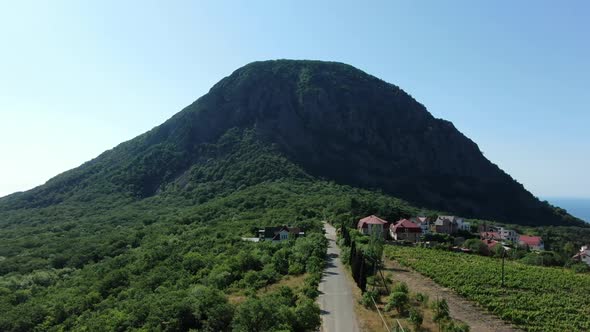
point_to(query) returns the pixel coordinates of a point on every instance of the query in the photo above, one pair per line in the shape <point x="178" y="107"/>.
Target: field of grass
<point x="534" y="298"/>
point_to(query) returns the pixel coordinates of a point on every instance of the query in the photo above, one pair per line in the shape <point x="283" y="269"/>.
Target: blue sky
<point x="79" y="77"/>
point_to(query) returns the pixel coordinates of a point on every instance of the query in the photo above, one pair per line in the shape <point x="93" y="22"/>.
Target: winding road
<point x="336" y="300"/>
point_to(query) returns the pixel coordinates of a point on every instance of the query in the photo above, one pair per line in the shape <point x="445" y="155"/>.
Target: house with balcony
<point x="372" y="224"/>
<point x="508" y="235"/>
<point x="405" y="230"/>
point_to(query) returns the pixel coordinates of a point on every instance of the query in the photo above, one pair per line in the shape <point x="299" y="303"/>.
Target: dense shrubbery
<point x="172" y="273"/>
<point x="282" y="310"/>
<point x="123" y="263"/>
<point x="105" y="261"/>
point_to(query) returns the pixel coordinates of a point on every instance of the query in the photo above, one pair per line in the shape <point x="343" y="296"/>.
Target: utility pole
<point x="377" y="266"/>
<point x="503" y="255"/>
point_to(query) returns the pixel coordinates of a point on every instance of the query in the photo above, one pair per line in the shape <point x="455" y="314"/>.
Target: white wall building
<point x="583" y="255"/>
<point x="463" y="225"/>
<point x="508" y="234"/>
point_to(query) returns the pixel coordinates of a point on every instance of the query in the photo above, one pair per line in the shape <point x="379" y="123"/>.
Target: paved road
<point x="336" y="300"/>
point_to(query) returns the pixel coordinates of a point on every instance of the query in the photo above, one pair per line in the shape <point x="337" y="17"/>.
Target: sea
<point x="579" y="207"/>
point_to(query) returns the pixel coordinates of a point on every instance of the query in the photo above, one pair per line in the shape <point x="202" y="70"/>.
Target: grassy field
<point x="534" y="298"/>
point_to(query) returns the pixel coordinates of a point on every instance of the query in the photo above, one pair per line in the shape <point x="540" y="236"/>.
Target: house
<point x="463" y="225"/>
<point x="502" y="234"/>
<point x="424" y="224"/>
<point x="485" y="228"/>
<point x="490" y="236"/>
<point x="532" y="242"/>
<point x="583" y="256"/>
<point x="446" y="225"/>
<point x="280" y="233"/>
<point x="405" y="230"/>
<point x="508" y="235"/>
<point x="371" y="224"/>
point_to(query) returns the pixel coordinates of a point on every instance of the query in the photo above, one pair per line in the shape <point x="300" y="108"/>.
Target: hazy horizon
<point x="576" y="206"/>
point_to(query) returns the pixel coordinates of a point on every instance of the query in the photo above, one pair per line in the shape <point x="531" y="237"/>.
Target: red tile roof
<point x="405" y="224"/>
<point x="373" y="220"/>
<point x="490" y="235"/>
<point x="533" y="241"/>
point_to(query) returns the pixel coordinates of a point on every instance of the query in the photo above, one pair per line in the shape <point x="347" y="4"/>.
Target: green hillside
<point x="159" y="263"/>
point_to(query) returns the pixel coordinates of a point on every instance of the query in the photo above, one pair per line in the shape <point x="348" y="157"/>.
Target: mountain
<point x="303" y="120"/>
<point x="148" y="235"/>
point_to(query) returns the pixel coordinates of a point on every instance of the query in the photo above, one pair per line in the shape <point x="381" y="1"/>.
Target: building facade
<point x="405" y="230"/>
<point x="372" y="224"/>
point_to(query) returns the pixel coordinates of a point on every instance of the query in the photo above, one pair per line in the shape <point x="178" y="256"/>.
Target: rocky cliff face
<point x="335" y="122"/>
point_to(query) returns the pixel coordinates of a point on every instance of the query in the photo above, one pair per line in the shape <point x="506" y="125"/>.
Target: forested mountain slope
<point x="331" y="120"/>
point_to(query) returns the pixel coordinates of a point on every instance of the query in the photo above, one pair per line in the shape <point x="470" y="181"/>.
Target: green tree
<point x="569" y="249"/>
<point x="451" y="326"/>
<point x="401" y="287"/>
<point x="307" y="315"/>
<point x="280" y="260"/>
<point x="268" y="313"/>
<point x="193" y="262"/>
<point x="210" y="309"/>
<point x="367" y="299"/>
<point x="252" y="315"/>
<point x="398" y="301"/>
<point x="375" y="247"/>
<point x="477" y="246"/>
<point x="416" y="318"/>
<point x="441" y="312"/>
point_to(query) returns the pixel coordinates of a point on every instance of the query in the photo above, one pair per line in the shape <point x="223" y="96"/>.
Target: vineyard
<point x="534" y="298"/>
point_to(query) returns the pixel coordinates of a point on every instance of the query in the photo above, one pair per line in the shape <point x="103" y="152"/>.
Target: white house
<point x="280" y="233"/>
<point x="508" y="234"/>
<point x="463" y="225"/>
<point x="583" y="255"/>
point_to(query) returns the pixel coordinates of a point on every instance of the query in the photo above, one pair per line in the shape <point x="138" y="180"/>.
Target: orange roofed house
<point x="371" y="224"/>
<point x="405" y="230"/>
<point x="532" y="242"/>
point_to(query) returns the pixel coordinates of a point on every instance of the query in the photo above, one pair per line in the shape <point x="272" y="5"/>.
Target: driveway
<point x="336" y="300"/>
